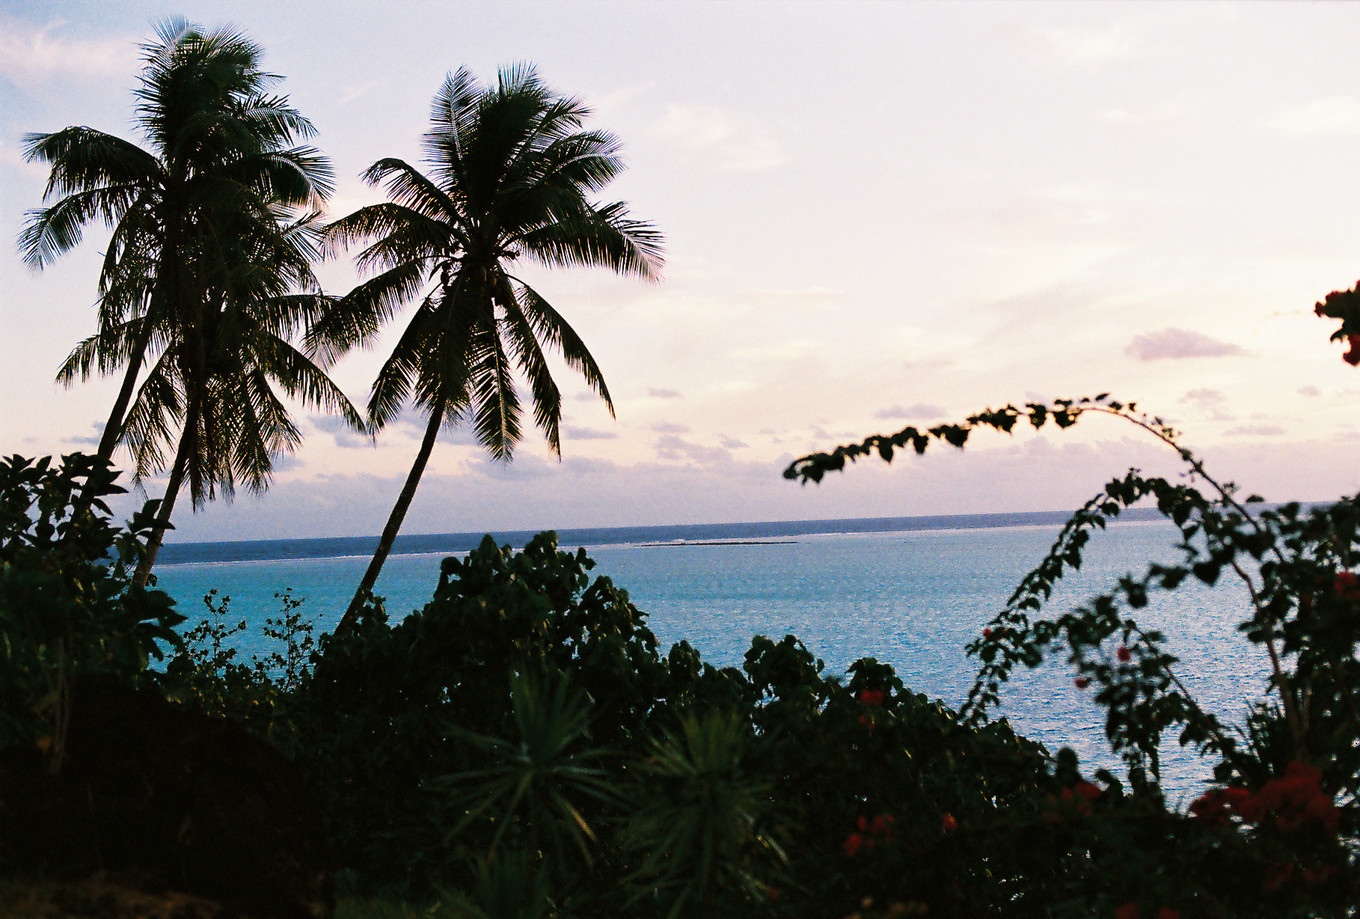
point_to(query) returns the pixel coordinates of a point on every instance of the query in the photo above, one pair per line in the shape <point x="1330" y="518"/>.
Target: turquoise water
<point x="912" y="599"/>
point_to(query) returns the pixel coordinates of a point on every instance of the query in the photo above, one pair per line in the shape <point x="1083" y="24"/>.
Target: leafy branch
<point x="1135" y="683"/>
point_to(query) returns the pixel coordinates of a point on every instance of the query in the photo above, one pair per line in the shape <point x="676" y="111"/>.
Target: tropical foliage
<point x="510" y="172"/>
<point x="522" y="746"/>
<point x="67" y="605"/>
<point x="207" y="274"/>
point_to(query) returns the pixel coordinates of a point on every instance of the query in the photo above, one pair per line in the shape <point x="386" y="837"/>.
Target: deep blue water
<point x="908" y="591"/>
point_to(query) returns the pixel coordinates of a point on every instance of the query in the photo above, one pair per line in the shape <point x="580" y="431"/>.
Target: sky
<point x="876" y="214"/>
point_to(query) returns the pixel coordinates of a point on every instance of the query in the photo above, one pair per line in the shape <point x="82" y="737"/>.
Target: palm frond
<point x="527" y="354"/>
<point x="598" y="236"/>
<point x="550" y="326"/>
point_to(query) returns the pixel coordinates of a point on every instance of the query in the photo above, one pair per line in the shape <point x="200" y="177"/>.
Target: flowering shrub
<point x="1279" y="833"/>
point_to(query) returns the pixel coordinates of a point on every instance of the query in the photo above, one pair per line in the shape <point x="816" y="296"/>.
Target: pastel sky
<point x="876" y="214"/>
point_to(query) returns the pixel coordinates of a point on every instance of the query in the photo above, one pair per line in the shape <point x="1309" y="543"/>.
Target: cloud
<point x="710" y="136"/>
<point x="345" y="437"/>
<point x="1310" y="391"/>
<point x="1175" y="344"/>
<point x="923" y="411"/>
<point x="1210" y="401"/>
<point x="11" y="158"/>
<point x="670" y="427"/>
<point x="1257" y="430"/>
<point x="31" y="56"/>
<point x="671" y="447"/>
<point x="573" y="432"/>
<point x="89" y="440"/>
<point x="1076" y="44"/>
<point x="523" y="466"/>
<point x="731" y="443"/>
<point x="663" y="394"/>
<point x="413" y="421"/>
<point x="285" y="462"/>
<point x="1157" y="113"/>
<point x="1332" y="115"/>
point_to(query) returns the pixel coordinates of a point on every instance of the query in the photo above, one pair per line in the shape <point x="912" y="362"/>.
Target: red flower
<point x="1127" y="911"/>
<point x="1352" y="356"/>
<point x="853" y="843"/>
<point x="1215" y="805"/>
<point x="1087" y="790"/>
<point x="1346" y="585"/>
<point x="1294" y="800"/>
<point x="871" y="697"/>
<point x="948" y="824"/>
<point x="882" y="825"/>
<point x="1124" y="654"/>
<point x="1082" y="682"/>
<point x="1167" y="912"/>
<point x="986" y="633"/>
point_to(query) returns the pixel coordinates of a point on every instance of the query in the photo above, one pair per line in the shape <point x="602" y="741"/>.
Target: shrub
<point x="68" y="607"/>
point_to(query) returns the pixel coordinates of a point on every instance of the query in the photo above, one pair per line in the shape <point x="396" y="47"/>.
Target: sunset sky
<point x="876" y="214"/>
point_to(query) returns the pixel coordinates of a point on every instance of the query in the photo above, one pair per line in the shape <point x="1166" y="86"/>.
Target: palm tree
<point x="220" y="146"/>
<point x="214" y="226"/>
<point x="218" y="384"/>
<point x="509" y="174"/>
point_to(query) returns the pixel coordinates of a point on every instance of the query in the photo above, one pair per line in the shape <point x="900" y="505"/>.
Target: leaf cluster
<point x="67" y="605"/>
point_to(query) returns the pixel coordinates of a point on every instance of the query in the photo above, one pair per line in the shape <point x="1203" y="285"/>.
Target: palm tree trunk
<point x="389" y="535"/>
<point x="172" y="488"/>
<point x="113" y="428"/>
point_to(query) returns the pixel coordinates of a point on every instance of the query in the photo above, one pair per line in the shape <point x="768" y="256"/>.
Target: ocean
<point x="909" y="591"/>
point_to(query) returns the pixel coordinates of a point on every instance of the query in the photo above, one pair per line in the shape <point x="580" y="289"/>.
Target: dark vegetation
<point x="522" y="746"/>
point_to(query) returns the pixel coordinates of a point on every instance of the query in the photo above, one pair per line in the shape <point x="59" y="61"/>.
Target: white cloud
<point x="11" y="158"/>
<point x="671" y="447"/>
<point x="1077" y="44"/>
<point x="1331" y="115"/>
<point x="342" y="435"/>
<point x="573" y="432"/>
<point x="710" y="136"/>
<point x="921" y="411"/>
<point x="1157" y="113"/>
<point x="1256" y="430"/>
<point x="1210" y="401"/>
<point x="1175" y="344"/>
<point x="30" y="56"/>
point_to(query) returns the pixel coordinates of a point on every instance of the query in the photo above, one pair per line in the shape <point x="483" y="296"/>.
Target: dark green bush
<point x="67" y="604"/>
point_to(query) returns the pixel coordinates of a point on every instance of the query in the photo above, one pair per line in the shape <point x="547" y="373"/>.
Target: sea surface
<point x="908" y="591"/>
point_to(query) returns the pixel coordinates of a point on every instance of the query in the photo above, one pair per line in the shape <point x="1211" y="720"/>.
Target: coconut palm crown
<point x="221" y="158"/>
<point x="509" y="175"/>
<point x="207" y="274"/>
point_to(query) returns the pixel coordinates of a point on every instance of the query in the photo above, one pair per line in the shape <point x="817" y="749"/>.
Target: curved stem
<point x="167" y="507"/>
<point x="394" y="521"/>
<point x="1197" y="467"/>
<point x="1297" y="726"/>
